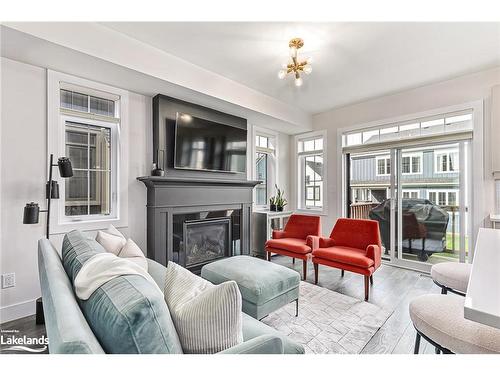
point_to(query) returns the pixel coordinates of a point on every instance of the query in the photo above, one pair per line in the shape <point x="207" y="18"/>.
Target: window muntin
<point x="90" y="125"/>
<point x="88" y="192"/>
<point x="411" y="163"/>
<point x="265" y="153"/>
<point x="361" y="195"/>
<point x="446" y="161"/>
<point x="311" y="171"/>
<point x="261" y="169"/>
<point x="435" y="125"/>
<point x="413" y="194"/>
<point x="443" y="197"/>
<point x="77" y="101"/>
<point x="383" y="164"/>
<point x="313" y="183"/>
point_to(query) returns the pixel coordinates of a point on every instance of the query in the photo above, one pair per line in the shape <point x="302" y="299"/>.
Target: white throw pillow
<point x="207" y="317"/>
<point x="114" y="242"/>
<point x="132" y="252"/>
<point x="111" y="242"/>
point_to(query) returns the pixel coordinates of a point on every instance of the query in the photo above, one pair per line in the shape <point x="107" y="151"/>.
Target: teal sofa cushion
<point x="76" y="250"/>
<point x="259" y="281"/>
<point x="127" y="314"/>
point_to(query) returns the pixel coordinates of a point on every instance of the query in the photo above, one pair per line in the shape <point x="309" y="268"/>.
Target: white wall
<point x="23" y="150"/>
<point x="457" y="91"/>
<point x="23" y="172"/>
<point x="284" y="155"/>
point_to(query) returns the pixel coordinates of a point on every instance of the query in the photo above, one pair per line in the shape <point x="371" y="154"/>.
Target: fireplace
<point x="202" y="237"/>
<point x="193" y="222"/>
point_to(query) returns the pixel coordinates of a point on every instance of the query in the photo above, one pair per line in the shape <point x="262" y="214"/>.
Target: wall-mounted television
<point x="206" y="145"/>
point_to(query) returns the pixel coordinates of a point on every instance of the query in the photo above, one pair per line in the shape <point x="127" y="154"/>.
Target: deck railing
<point x="361" y="210"/>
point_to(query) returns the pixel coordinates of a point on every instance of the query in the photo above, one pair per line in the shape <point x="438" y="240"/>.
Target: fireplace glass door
<point x="206" y="240"/>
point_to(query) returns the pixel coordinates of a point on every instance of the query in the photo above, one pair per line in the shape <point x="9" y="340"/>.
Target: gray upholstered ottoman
<point x="264" y="286"/>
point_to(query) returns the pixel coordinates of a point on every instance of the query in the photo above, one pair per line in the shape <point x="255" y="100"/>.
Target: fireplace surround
<point x="194" y="221"/>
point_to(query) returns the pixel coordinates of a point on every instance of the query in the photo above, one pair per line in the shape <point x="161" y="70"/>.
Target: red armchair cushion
<point x="357" y="233"/>
<point x="294" y="245"/>
<point x="344" y="254"/>
<point x="301" y="226"/>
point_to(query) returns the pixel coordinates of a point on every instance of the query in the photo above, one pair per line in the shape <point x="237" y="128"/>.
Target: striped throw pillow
<point x="207" y="317"/>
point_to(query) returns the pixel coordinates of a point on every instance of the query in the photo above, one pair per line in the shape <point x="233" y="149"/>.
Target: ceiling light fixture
<point x="295" y="67"/>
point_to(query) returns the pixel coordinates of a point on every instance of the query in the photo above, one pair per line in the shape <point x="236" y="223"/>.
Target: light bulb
<point x="293" y="52"/>
<point x="308" y="69"/>
<point x="298" y="82"/>
<point x="281" y="74"/>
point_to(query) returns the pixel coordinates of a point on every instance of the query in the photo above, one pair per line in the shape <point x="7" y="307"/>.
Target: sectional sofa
<point x="73" y="326"/>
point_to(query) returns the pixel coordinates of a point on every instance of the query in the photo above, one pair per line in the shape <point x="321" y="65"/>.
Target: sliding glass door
<point x="419" y="196"/>
<point x="369" y="191"/>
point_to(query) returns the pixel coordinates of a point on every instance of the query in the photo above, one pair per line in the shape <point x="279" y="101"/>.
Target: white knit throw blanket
<point x="102" y="268"/>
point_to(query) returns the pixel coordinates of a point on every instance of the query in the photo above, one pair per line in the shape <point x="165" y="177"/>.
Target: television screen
<point x="207" y="145"/>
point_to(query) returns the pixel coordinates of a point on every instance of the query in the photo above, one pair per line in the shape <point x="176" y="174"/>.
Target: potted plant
<point x="280" y="200"/>
<point x="272" y="203"/>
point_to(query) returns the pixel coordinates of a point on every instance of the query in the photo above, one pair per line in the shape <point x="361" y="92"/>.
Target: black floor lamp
<point x="32" y="210"/>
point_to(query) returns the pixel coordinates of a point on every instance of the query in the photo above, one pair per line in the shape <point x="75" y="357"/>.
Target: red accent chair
<point x="354" y="245"/>
<point x="297" y="240"/>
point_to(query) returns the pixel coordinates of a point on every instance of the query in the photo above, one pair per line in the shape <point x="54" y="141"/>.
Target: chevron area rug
<point x="328" y="322"/>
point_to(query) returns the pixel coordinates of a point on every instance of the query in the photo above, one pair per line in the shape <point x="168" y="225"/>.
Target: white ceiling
<point x="351" y="61"/>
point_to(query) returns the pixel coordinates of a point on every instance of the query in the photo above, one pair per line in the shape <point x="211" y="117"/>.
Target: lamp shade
<point x="65" y="168"/>
<point x="54" y="191"/>
<point x="31" y="213"/>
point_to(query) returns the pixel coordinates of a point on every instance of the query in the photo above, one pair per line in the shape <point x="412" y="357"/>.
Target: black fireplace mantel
<point x="169" y="198"/>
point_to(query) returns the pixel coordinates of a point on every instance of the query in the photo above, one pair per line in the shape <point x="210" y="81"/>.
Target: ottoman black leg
<point x="417" y="344"/>
<point x="297" y="307"/>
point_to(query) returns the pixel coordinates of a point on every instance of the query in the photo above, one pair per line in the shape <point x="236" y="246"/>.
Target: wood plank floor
<point x="393" y="289"/>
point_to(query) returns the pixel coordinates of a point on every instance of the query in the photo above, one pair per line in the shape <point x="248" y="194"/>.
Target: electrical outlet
<point x="8" y="280"/>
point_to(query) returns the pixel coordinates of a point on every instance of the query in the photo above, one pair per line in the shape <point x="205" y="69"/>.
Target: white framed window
<point x="413" y="194"/>
<point x="92" y="147"/>
<point x="448" y="197"/>
<point x="311" y="168"/>
<point x="446" y="161"/>
<point x="383" y="165"/>
<point x="411" y="163"/>
<point x="361" y="195"/>
<point x="86" y="124"/>
<point x="265" y="166"/>
<point x="455" y="122"/>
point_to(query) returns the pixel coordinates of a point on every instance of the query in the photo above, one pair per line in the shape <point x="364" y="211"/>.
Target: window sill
<point x="87" y="225"/>
<point x="311" y="211"/>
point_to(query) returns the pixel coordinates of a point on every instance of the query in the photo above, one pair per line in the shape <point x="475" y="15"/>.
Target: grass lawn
<point x="449" y="246"/>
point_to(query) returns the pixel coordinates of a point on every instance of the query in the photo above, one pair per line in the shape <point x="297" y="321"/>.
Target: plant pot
<point x="272" y="207"/>
<point x="280" y="208"/>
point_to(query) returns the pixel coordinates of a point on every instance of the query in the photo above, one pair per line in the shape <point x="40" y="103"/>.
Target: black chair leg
<point x="371" y="280"/>
<point x="436" y="350"/>
<point x="417" y="344"/>
<point x="297" y="307"/>
<point x="443" y="290"/>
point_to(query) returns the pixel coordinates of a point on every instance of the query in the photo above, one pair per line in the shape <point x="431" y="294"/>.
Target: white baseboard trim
<point x="17" y="311"/>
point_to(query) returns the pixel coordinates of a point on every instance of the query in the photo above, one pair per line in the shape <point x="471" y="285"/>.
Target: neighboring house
<point x="426" y="174"/>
